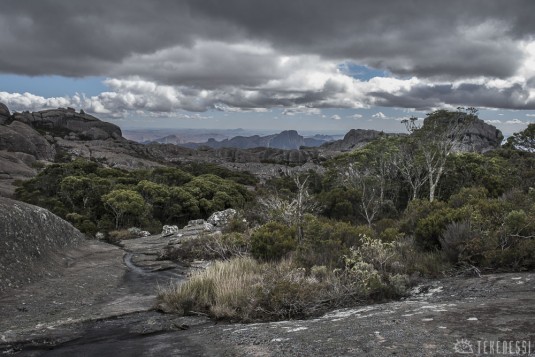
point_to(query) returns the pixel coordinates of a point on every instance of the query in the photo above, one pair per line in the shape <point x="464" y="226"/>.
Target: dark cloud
<point x="426" y="97"/>
<point x="79" y="38"/>
<point x="165" y="55"/>
<point x="425" y="38"/>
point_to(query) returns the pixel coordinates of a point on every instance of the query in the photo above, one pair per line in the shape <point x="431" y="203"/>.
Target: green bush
<point x="273" y="241"/>
<point x="326" y="241"/>
<point x="429" y="229"/>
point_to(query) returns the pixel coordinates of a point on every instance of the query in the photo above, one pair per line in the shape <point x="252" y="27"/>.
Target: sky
<point x="273" y="65"/>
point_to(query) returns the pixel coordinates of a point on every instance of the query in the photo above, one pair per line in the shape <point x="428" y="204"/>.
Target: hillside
<point x="30" y="140"/>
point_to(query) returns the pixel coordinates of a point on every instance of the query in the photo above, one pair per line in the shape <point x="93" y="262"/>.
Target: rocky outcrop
<point x="221" y="219"/>
<point x="32" y="237"/>
<point x="288" y="140"/>
<point x="61" y="122"/>
<point x="19" y="137"/>
<point x="4" y="114"/>
<point x="480" y="137"/>
<point x="14" y="166"/>
<point x="169" y="230"/>
<point x="354" y="139"/>
<point x="196" y="227"/>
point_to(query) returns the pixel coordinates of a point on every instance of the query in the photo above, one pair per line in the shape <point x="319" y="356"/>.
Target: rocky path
<point x="102" y="306"/>
<point x="99" y="281"/>
<point x="447" y="318"/>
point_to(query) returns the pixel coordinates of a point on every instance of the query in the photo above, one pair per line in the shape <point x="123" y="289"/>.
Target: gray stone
<point x="31" y="236"/>
<point x="14" y="166"/>
<point x="4" y="114"/>
<point x="221" y="219"/>
<point x="169" y="230"/>
<point x="135" y="231"/>
<point x="61" y="121"/>
<point x="354" y="139"/>
<point x="19" y="137"/>
<point x="480" y="137"/>
<point x="94" y="134"/>
<point x="195" y="222"/>
<point x="100" y="236"/>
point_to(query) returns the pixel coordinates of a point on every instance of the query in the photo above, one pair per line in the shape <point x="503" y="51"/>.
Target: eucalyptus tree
<point x="438" y="138"/>
<point x="371" y="172"/>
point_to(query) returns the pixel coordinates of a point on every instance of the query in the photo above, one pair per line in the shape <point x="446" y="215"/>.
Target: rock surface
<point x="62" y="121"/>
<point x="19" y="137"/>
<point x="221" y="219"/>
<point x="480" y="137"/>
<point x="31" y="244"/>
<point x="14" y="166"/>
<point x="169" y="230"/>
<point x="354" y="139"/>
<point x="431" y="322"/>
<point x="4" y="113"/>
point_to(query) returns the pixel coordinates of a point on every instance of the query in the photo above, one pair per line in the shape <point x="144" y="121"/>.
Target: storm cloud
<point x="198" y="55"/>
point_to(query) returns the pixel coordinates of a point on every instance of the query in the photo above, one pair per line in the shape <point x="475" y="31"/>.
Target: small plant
<point x="454" y="238"/>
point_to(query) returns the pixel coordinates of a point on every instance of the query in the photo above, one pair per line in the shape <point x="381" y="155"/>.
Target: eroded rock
<point x="169" y="230"/>
<point x="19" y="137"/>
<point x="31" y="238"/>
<point x="221" y="219"/>
<point x="4" y="113"/>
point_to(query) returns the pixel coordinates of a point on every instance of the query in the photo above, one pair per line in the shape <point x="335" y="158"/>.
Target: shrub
<point x="210" y="247"/>
<point x="273" y="241"/>
<point x="416" y="211"/>
<point x="244" y="289"/>
<point x="391" y="235"/>
<point x="225" y="289"/>
<point x="119" y="235"/>
<point x="453" y="239"/>
<point x="326" y="241"/>
<point x="419" y="263"/>
<point x="468" y="195"/>
<point x="376" y="270"/>
<point x="429" y="229"/>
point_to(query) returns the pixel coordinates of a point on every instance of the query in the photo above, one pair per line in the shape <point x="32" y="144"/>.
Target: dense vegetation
<point x="380" y="218"/>
<point x="368" y="227"/>
<point x="96" y="198"/>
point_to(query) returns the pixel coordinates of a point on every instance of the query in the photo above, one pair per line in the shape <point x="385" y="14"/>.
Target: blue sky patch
<point x="361" y="72"/>
<point x="52" y="86"/>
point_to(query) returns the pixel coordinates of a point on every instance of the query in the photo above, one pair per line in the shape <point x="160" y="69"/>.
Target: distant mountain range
<point x="286" y="140"/>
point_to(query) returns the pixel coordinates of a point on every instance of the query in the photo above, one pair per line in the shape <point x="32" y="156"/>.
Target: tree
<point x="125" y="202"/>
<point x="75" y="190"/>
<point x="370" y="172"/>
<point x="438" y="138"/>
<point x="291" y="210"/>
<point x="409" y="162"/>
<point x="524" y="140"/>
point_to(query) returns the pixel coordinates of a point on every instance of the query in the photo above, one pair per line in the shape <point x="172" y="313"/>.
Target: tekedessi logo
<point x="493" y="347"/>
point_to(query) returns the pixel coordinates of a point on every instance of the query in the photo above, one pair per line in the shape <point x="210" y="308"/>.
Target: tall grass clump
<point x="222" y="290"/>
<point x="247" y="290"/>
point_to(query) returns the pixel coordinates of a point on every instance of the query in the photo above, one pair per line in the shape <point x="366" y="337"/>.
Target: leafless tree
<point x="407" y="161"/>
<point x="291" y="210"/>
<point x="370" y="188"/>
